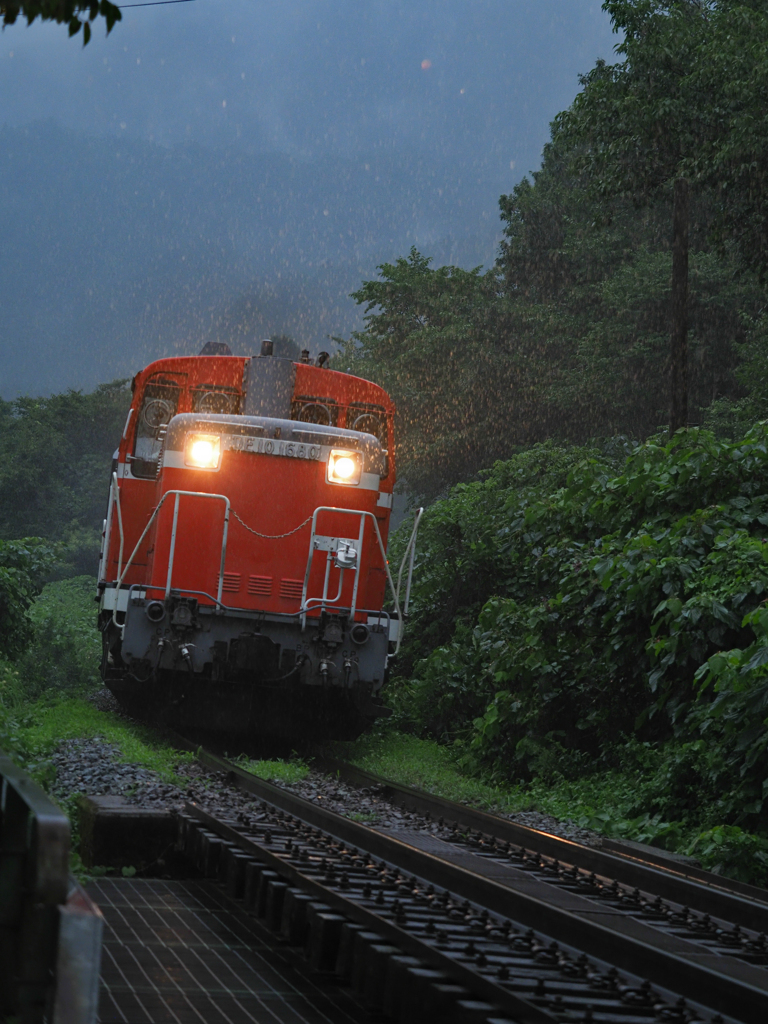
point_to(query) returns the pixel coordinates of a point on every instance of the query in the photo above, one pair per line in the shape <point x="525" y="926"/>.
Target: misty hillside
<point x="116" y="251"/>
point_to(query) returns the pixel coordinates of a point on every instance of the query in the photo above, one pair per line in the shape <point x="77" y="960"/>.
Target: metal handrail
<point x="410" y="548"/>
<point x="171" y="553"/>
<point x="119" y="522"/>
<point x="224" y="532"/>
<point x="410" y="552"/>
<point x="112" y="502"/>
<point x="363" y="515"/>
<point x="107" y="537"/>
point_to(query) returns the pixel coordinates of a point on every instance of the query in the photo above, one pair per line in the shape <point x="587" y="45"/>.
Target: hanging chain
<point x="269" y="536"/>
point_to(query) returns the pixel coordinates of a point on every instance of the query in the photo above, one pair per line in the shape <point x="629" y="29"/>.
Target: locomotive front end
<point x="244" y="572"/>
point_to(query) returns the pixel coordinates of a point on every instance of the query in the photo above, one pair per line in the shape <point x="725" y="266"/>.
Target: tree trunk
<point x="678" y="358"/>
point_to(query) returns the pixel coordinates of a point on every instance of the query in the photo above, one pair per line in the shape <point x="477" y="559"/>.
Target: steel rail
<point x="641" y="868"/>
<point x="525" y="1012"/>
<point x="725" y="984"/>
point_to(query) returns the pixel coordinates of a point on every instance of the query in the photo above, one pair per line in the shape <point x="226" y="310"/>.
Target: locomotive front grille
<point x="291" y="589"/>
<point x="260" y="586"/>
<point x="231" y="583"/>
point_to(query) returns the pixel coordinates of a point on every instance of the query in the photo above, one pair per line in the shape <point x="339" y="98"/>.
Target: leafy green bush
<point x="49" y="644"/>
<point x="731" y="716"/>
<point x="11" y="735"/>
<point x="65" y="645"/>
<point x="647" y="797"/>
<point x="728" y="850"/>
<point x="24" y="564"/>
<point x="55" y="458"/>
<point x="567" y="600"/>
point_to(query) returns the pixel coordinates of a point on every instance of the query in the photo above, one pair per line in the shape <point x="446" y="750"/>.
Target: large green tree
<point x="565" y="337"/>
<point x="627" y="288"/>
<point x="728" y="84"/>
<point x="55" y="457"/>
<point x="465" y="369"/>
<point x="631" y="128"/>
<point x="683" y="108"/>
<point x="596" y="270"/>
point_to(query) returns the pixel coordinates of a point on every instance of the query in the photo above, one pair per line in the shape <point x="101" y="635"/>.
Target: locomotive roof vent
<point x="267" y="347"/>
<point x="215" y="348"/>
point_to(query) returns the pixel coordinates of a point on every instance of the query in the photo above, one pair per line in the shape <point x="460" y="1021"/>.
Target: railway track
<point x="630" y="864"/>
<point x="482" y="918"/>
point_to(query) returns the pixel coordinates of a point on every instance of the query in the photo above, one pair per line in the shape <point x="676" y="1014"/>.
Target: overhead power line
<point x="155" y="3"/>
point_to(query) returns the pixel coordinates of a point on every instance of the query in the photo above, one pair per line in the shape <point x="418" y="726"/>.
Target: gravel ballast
<point x="93" y="767"/>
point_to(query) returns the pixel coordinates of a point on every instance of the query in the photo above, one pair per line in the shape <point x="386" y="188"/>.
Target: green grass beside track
<point x="616" y="803"/>
<point x="47" y="725"/>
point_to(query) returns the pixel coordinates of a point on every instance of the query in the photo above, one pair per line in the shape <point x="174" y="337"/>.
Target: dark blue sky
<point x="446" y="100"/>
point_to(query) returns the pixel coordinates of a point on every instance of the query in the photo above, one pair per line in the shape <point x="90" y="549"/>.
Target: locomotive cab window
<point x="216" y="398"/>
<point x="323" y="411"/>
<point x="369" y="419"/>
<point x="159" y="404"/>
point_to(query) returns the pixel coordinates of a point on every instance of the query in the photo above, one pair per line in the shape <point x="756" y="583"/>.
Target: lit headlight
<point x="203" y="451"/>
<point x="344" y="467"/>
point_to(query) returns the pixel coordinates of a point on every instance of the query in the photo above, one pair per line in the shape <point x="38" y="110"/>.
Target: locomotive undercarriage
<point x="234" y="671"/>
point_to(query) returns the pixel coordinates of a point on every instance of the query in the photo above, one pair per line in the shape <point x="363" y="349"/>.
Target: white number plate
<point x="267" y="446"/>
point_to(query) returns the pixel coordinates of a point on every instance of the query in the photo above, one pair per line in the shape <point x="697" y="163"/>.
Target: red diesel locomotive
<point x="243" y="571"/>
